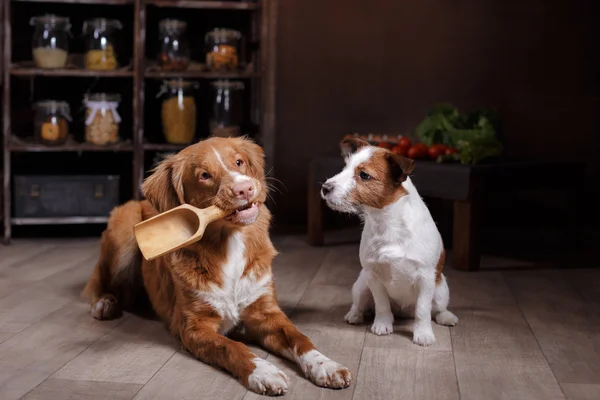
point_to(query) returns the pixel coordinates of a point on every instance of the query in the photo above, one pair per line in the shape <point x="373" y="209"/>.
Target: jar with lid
<point x="102" y="118"/>
<point x="100" y="51"/>
<point x="178" y="111"/>
<point x="227" y="108"/>
<point x="174" y="54"/>
<point x="50" y="42"/>
<point x="51" y="122"/>
<point x="222" y="49"/>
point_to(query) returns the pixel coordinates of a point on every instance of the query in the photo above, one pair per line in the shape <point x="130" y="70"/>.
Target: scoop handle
<point x="213" y="213"/>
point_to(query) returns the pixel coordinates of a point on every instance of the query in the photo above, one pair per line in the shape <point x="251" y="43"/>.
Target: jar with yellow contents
<point x="102" y="118"/>
<point x="100" y="41"/>
<point x="178" y="111"/>
<point x="51" y="122"/>
<point x="223" y="48"/>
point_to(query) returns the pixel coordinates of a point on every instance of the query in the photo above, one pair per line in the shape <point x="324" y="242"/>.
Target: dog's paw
<point x="424" y="336"/>
<point x="267" y="379"/>
<point x="105" y="308"/>
<point x="354" y="316"/>
<point x="446" y="318"/>
<point x="324" y="372"/>
<point x="383" y="324"/>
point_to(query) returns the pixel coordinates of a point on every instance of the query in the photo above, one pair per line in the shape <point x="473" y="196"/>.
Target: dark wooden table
<point x="466" y="186"/>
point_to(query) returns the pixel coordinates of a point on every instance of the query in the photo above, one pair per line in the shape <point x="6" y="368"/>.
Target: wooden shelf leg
<point x="466" y="247"/>
<point x="315" y="215"/>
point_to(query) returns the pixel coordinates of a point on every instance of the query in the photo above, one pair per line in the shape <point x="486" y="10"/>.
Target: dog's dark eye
<point x="205" y="176"/>
<point x="364" y="176"/>
<point x="239" y="163"/>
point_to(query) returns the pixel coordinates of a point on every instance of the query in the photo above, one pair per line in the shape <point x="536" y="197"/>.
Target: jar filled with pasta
<point x="174" y="52"/>
<point x="50" y="42"/>
<point x="222" y="49"/>
<point x="227" y="113"/>
<point x="51" y="122"/>
<point x="102" y="118"/>
<point x="178" y="111"/>
<point x="100" y="43"/>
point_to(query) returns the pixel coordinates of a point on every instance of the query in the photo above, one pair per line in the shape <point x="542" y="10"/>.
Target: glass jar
<point x="227" y="108"/>
<point x="50" y="42"/>
<point x="174" y="54"/>
<point x="100" y="43"/>
<point x="222" y="49"/>
<point x="51" y="122"/>
<point x="102" y="118"/>
<point x="178" y="111"/>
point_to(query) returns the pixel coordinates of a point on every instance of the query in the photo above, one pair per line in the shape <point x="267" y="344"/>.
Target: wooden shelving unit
<point x="258" y="75"/>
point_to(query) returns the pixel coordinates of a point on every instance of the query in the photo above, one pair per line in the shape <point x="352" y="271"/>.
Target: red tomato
<point x="386" y="145"/>
<point x="401" y="151"/>
<point x="419" y="150"/>
<point x="450" y="150"/>
<point x="405" y="142"/>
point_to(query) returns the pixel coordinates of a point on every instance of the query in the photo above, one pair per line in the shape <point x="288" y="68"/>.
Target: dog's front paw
<point x="446" y="318"/>
<point x="325" y="372"/>
<point x="354" y="316"/>
<point x="267" y="379"/>
<point x="383" y="324"/>
<point x="424" y="336"/>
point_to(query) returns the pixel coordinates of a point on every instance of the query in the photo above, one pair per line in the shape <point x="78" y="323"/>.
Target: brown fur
<point x="387" y="171"/>
<point x="171" y="282"/>
<point x="439" y="267"/>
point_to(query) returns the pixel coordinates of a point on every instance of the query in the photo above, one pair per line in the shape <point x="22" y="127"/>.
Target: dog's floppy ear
<point x="255" y="154"/>
<point x="351" y="146"/>
<point x="164" y="188"/>
<point x="400" y="167"/>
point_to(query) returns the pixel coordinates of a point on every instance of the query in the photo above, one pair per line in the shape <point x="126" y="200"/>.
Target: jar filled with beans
<point x="178" y="111"/>
<point x="223" y="48"/>
<point x="51" y="122"/>
<point x="102" y="118"/>
<point x="100" y="43"/>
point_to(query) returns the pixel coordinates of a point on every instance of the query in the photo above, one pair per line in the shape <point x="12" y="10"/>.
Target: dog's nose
<point x="243" y="190"/>
<point x="326" y="188"/>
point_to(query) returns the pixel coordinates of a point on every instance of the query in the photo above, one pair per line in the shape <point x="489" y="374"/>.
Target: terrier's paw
<point x="354" y="316"/>
<point x="383" y="324"/>
<point x="325" y="372"/>
<point x="446" y="318"/>
<point x="267" y="379"/>
<point x="424" y="336"/>
<point x="105" y="308"/>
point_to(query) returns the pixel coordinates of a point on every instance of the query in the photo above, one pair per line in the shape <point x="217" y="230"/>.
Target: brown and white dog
<point x="220" y="284"/>
<point x="401" y="250"/>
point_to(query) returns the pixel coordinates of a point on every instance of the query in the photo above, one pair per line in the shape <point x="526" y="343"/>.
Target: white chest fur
<point x="236" y="292"/>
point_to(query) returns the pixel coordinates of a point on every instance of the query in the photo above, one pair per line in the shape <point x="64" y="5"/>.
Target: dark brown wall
<point x="355" y="65"/>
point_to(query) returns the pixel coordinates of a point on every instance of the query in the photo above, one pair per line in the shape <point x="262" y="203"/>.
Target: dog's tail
<point x="118" y="269"/>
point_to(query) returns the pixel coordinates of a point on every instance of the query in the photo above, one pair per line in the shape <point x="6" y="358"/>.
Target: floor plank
<point x="566" y="326"/>
<point x="133" y="353"/>
<point x="57" y="389"/>
<point x="581" y="391"/>
<point x="493" y="344"/>
<point x="390" y="374"/>
<point x="31" y="303"/>
<point x="31" y="356"/>
<point x="184" y="377"/>
<point x="587" y="283"/>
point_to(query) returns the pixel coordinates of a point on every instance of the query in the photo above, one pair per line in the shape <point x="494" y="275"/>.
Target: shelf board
<point x="107" y="2"/>
<point x="198" y="71"/>
<point x="164" y="146"/>
<point x="59" y="220"/>
<point x="18" y="145"/>
<point x="28" y="68"/>
<point x="215" y="5"/>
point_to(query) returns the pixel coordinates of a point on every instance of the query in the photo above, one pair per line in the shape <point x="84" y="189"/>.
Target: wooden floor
<point x="523" y="334"/>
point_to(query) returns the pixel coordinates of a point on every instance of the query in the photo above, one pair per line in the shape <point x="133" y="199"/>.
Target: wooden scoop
<point x="174" y="229"/>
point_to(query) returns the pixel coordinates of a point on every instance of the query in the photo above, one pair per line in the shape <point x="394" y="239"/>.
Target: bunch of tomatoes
<point x="405" y="148"/>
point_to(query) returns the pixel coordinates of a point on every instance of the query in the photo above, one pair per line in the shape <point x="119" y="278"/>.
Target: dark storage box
<point x="47" y="196"/>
